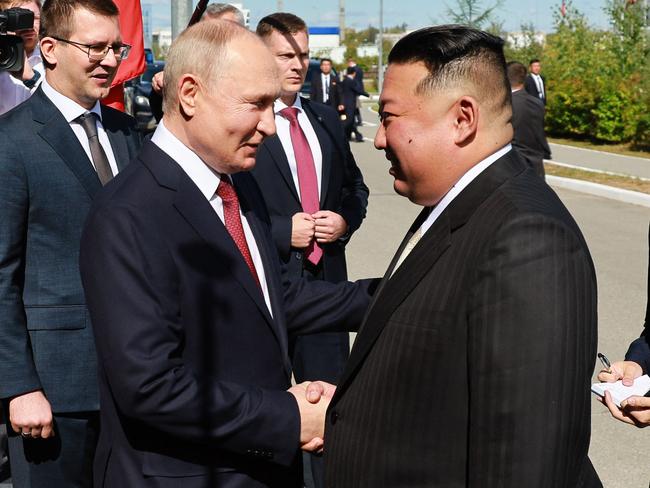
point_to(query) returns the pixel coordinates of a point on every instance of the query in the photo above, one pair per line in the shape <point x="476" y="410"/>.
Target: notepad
<point x="621" y="392"/>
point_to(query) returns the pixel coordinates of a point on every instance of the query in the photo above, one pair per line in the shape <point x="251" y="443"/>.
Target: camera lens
<point x="11" y="53"/>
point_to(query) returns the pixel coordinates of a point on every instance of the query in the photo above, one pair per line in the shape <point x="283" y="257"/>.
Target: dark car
<point x="136" y="97"/>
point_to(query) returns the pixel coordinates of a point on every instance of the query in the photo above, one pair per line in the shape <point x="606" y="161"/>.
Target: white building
<point x="522" y="39"/>
<point x="325" y="42"/>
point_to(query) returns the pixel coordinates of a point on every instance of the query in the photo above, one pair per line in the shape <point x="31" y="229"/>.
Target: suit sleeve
<point x="140" y="347"/>
<point x="639" y="350"/>
<point x="531" y="352"/>
<point x="17" y="370"/>
<point x="354" y="195"/>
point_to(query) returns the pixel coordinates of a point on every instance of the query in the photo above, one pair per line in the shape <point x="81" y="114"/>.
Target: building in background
<point x="181" y="13"/>
<point x="147" y="24"/>
<point x="325" y="42"/>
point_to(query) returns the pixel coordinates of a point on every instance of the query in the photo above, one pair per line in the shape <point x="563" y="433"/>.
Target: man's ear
<point x="188" y="90"/>
<point x="466" y="116"/>
<point x="47" y="45"/>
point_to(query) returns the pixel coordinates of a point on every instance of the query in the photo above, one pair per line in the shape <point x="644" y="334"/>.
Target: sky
<point x="415" y="13"/>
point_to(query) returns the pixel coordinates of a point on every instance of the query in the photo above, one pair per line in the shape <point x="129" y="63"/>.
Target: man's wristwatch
<point x="32" y="81"/>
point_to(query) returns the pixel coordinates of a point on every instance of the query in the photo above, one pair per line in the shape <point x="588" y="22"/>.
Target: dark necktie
<point x="232" y="219"/>
<point x="306" y="175"/>
<point x="89" y="124"/>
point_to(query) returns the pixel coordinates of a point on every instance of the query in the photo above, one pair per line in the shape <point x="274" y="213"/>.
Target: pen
<point x="605" y="361"/>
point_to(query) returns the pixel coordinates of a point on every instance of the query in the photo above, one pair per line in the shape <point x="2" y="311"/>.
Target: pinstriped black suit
<point x="473" y="365"/>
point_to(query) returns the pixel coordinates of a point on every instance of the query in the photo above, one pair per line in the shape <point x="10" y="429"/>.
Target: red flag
<point x="563" y="8"/>
<point x="134" y="65"/>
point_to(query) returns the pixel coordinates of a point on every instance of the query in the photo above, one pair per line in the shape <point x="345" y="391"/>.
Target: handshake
<point x="313" y="399"/>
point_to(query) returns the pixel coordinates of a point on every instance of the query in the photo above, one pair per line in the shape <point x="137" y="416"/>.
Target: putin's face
<point x="233" y="113"/>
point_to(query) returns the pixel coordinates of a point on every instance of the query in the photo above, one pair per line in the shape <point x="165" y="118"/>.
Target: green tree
<point x="471" y="13"/>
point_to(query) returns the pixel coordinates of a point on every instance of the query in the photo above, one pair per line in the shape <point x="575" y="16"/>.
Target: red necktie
<point x="306" y="175"/>
<point x="233" y="223"/>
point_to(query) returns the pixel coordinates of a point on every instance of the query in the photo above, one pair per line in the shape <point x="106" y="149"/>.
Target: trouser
<point x="318" y="357"/>
<point x="62" y="461"/>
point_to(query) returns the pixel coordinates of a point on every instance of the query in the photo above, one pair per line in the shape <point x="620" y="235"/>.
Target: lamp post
<point x="380" y="63"/>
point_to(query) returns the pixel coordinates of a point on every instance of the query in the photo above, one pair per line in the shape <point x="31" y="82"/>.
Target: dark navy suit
<point x="342" y="191"/>
<point x="192" y="367"/>
<point x="47" y="184"/>
<point x="639" y="350"/>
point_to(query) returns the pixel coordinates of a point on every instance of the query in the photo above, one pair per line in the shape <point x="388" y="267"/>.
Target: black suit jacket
<point x="47" y="184"/>
<point x="316" y="90"/>
<point x="342" y="190"/>
<point x="528" y="124"/>
<point x="473" y="365"/>
<point x="639" y="350"/>
<point x="192" y="367"/>
<point x="531" y="87"/>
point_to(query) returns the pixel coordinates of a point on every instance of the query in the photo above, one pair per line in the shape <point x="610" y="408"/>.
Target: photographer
<point x="16" y="87"/>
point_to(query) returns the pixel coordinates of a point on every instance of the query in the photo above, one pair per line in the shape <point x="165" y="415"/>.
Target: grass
<point x="624" y="182"/>
<point x="623" y="149"/>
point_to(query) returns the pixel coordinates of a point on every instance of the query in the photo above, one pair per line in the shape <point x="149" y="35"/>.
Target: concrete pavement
<point x="617" y="234"/>
<point x="603" y="161"/>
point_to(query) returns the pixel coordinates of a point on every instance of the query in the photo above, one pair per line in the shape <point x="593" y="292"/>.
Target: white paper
<point x="621" y="392"/>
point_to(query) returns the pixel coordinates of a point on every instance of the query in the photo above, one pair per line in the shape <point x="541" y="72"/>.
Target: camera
<point x="12" y="53"/>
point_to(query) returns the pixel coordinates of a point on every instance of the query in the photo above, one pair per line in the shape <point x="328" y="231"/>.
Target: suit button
<point x="334" y="417"/>
<point x="298" y="256"/>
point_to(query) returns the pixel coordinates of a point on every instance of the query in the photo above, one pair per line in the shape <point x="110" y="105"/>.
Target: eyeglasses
<point x="97" y="52"/>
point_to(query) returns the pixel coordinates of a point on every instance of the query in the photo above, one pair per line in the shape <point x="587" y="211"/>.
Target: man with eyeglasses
<point x="57" y="150"/>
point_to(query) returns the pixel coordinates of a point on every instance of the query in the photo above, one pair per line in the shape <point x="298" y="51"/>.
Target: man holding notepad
<point x="634" y="410"/>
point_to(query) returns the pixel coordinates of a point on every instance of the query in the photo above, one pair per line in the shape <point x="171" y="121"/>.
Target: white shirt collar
<point x="68" y="107"/>
<point x="460" y="185"/>
<point x="203" y="176"/>
<point x="279" y="105"/>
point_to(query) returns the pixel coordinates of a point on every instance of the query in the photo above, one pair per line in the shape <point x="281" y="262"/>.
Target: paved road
<point x="628" y="165"/>
<point x="617" y="235"/>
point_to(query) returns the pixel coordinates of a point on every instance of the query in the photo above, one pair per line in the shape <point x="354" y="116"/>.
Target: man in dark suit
<point x="634" y="410"/>
<point x="358" y="77"/>
<point x="313" y="189"/>
<point x="56" y="151"/>
<point x="527" y="121"/>
<point x="189" y="304"/>
<point x="535" y="83"/>
<point x="473" y="364"/>
<point x="325" y="86"/>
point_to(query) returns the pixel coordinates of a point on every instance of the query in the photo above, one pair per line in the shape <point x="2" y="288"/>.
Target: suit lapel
<point x="117" y="140"/>
<point x="322" y="134"/>
<point x="393" y="290"/>
<point x="199" y="214"/>
<point x="57" y="133"/>
<point x="269" y="257"/>
<point x="279" y="157"/>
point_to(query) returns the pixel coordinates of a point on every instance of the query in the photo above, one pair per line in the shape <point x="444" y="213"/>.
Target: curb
<point x="625" y="196"/>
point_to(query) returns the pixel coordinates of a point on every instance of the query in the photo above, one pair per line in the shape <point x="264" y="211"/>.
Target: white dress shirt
<point x="282" y="129"/>
<point x="13" y="91"/>
<point x="460" y="185"/>
<point x="71" y="110"/>
<point x="207" y="180"/>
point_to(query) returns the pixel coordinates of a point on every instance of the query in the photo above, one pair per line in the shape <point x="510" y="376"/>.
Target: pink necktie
<point x="306" y="175"/>
<point x="233" y="223"/>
